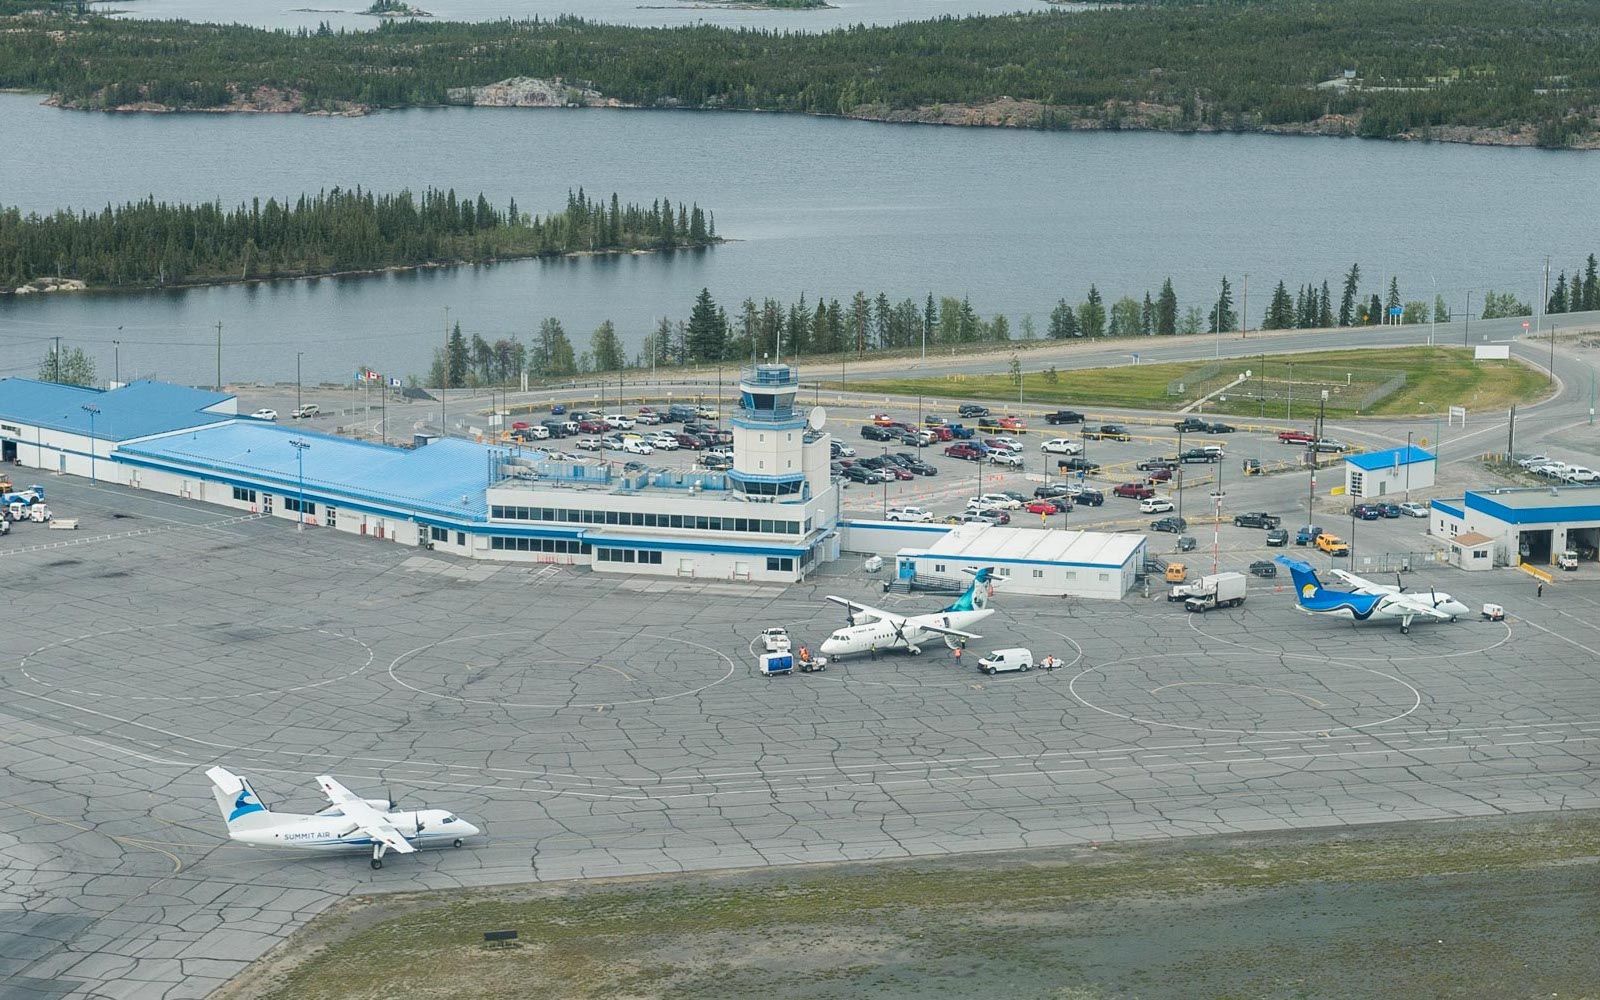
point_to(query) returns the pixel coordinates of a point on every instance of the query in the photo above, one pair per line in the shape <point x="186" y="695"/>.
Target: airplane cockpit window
<point x="838" y="637"/>
<point x="449" y="819"/>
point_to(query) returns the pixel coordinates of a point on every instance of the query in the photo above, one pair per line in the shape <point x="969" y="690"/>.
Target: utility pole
<point x="1467" y="332"/>
<point x="55" y="362"/>
<point x="116" y="349"/>
<point x="444" y="370"/>
<point x="219" y="355"/>
<point x="297" y="356"/>
<point x="1311" y="490"/>
<point x="1511" y="433"/>
<point x="1544" y="303"/>
<point x="1244" y="308"/>
<point x="1552" y="350"/>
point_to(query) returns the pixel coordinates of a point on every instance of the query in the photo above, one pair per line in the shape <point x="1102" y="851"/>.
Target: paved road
<point x="605" y="726"/>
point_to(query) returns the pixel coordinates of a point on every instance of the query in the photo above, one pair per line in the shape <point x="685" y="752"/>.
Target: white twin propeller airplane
<point x="1368" y="601"/>
<point x="350" y="822"/>
<point x="875" y="629"/>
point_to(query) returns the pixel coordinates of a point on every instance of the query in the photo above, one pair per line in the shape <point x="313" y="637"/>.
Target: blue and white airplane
<point x="873" y="628"/>
<point x="351" y="822"/>
<point x="1382" y="604"/>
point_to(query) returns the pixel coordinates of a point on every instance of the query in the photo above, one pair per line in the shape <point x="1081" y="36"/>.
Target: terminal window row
<point x="505" y="544"/>
<point x="776" y="564"/>
<point x="644" y="519"/>
<point x="293" y="505"/>
<point x="627" y="556"/>
<point x="243" y="495"/>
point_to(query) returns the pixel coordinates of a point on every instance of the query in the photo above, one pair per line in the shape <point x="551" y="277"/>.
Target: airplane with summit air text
<point x="351" y="822"/>
<point x="870" y="628"/>
<point x="1383" y="604"/>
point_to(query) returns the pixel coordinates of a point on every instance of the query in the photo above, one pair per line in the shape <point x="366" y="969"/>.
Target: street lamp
<point x="91" y="410"/>
<point x="300" y="447"/>
<point x="1408" y="465"/>
<point x="297" y="356"/>
<point x="116" y="353"/>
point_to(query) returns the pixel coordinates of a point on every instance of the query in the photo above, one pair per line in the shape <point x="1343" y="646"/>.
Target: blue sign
<point x="1396" y="311"/>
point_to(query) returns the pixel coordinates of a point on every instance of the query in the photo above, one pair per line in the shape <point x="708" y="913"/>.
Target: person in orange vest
<point x="805" y="655"/>
<point x="958" y="655"/>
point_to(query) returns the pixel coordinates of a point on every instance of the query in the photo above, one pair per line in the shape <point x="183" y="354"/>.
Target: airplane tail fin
<point x="1306" y="584"/>
<point x="239" y="804"/>
<point x="976" y="597"/>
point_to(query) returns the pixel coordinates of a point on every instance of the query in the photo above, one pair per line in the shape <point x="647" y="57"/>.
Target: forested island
<point x="154" y="244"/>
<point x="1488" y="71"/>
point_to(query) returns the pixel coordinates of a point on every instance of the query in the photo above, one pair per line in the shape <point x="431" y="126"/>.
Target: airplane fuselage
<point x="1379" y="607"/>
<point x="329" y="830"/>
<point x="883" y="636"/>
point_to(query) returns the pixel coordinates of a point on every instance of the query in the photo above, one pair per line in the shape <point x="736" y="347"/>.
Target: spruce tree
<point x="1222" y="317"/>
<point x="1280" y="311"/>
<point x="1092" y="314"/>
<point x="707" y="337"/>
<point x="1325" y="308"/>
<point x="1393" y="301"/>
<point x="456" y="359"/>
<point x="1147" y="317"/>
<point x="1063" y="322"/>
<point x="1591" y="286"/>
<point x="1167" y="310"/>
<point x="1347" y="304"/>
<point x="1558" y="296"/>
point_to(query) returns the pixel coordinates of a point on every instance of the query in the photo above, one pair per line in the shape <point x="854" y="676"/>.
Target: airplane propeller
<point x="899" y="632"/>
<point x="1399" y="587"/>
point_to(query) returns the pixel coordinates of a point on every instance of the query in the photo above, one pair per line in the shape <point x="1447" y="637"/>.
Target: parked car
<point x="690" y="441"/>
<point x="964" y="451"/>
<point x="917" y="514"/>
<point x="1052" y="491"/>
<point x="1414" y="509"/>
<point x="1005" y="660"/>
<point x="842" y="450"/>
<point x="1001" y="500"/>
<point x="306" y="411"/>
<point x="1389" y="509"/>
<point x="918" y="439"/>
<point x="1064" y="417"/>
<point x="1256" y="519"/>
<point x="1296" y="437"/>
<point x="881" y="419"/>
<point x="874" y="433"/>
<point x="1333" y="545"/>
<point x="971" y="410"/>
<point x="265" y="414"/>
<point x="995" y="517"/>
<point x="1328" y="445"/>
<point x="1219" y="428"/>
<point x="1061" y="446"/>
<point x="1199" y="455"/>
<point x="1077" y="464"/>
<point x="612" y="441"/>
<point x="1567" y="560"/>
<point x="1045" y="507"/>
<point x="1188" y="424"/>
<point x="716" y="462"/>
<point x="1011" y="424"/>
<point x="1009" y="459"/>
<point x="961" y="433"/>
<point x="1111" y="432"/>
<point x="1155" y="505"/>
<point x="635" y="446"/>
<point x="1088" y="497"/>
<point x="1264" y="568"/>
<point x="1152" y="464"/>
<point x="1366" y="511"/>
<point x="618" y="421"/>
<point x="588" y="444"/>
<point x="861" y="474"/>
<point x="650" y="417"/>
<point x="587" y="426"/>
<point x="1135" y="491"/>
<point x="1307" y="534"/>
<point x="1277" y="538"/>
<point x="557" y="409"/>
<point x="666" y="442"/>
<point x="1158" y="476"/>
<point x="1174" y="524"/>
<point x="923" y="469"/>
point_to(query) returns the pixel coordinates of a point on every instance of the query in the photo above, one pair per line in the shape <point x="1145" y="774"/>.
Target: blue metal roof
<point x="1373" y="461"/>
<point x="135" y="410"/>
<point x="1539" y="506"/>
<point x="446" y="478"/>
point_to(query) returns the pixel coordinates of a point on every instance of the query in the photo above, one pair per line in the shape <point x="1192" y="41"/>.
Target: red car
<point x="882" y="419"/>
<point x="1011" y="424"/>
<point x="1159" y="476"/>
<point x="1042" y="507"/>
<point x="1296" y="437"/>
<point x="966" y="451"/>
<point x="593" y="427"/>
<point x="1135" y="491"/>
<point x="943" y="433"/>
<point x="897" y="472"/>
<point x="690" y="441"/>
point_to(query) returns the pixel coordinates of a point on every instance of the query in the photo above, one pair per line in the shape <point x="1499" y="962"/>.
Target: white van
<point x="1002" y="660"/>
<point x="634" y="446"/>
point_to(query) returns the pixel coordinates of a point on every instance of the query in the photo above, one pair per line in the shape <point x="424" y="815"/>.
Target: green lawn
<point x="1279" y="386"/>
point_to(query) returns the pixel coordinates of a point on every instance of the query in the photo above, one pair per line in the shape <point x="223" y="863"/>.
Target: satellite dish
<point x="816" y="418"/>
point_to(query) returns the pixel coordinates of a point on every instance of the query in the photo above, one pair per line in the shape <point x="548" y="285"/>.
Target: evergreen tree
<point x="1147" y="316"/>
<point x="1167" y="310"/>
<point x="1190" y="323"/>
<point x="1063" y="322"/>
<point x="1303" y="308"/>
<point x="1441" y="311"/>
<point x="1092" y="314"/>
<point x="1374" y="310"/>
<point x="1280" y="311"/>
<point x="1222" y="318"/>
<point x="456" y="358"/>
<point x="708" y="334"/>
<point x="860" y="322"/>
<point x="1591" y="285"/>
<point x="1324" y="308"/>
<point x="1393" y="301"/>
<point x="605" y="348"/>
<point x="1558" y="296"/>
<point x="1347" y="304"/>
<point x="999" y="328"/>
<point x="555" y="356"/>
<point x="930" y="318"/>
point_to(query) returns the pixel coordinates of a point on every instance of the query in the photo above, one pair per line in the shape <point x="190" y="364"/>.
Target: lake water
<point x="1013" y="219"/>
<point x="647" y="13"/>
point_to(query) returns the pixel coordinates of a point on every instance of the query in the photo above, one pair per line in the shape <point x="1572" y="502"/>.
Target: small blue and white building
<point x="1531" y="526"/>
<point x="1389" y="472"/>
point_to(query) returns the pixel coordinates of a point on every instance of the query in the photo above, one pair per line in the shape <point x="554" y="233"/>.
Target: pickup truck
<point x="1296" y="437"/>
<point x="1256" y="519"/>
<point x="775" y="639"/>
<point x="1188" y="424"/>
<point x="1199" y="455"/>
<point x="1064" y="417"/>
<point x="1333" y="545"/>
<point x="1114" y="432"/>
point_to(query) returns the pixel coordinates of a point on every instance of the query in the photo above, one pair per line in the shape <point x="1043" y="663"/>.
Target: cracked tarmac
<point x="598" y="725"/>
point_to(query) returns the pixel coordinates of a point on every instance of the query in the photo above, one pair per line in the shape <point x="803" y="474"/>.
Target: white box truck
<point x="1219" y="590"/>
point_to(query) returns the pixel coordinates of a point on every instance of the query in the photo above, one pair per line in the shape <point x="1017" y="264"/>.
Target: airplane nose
<point x="829" y="647"/>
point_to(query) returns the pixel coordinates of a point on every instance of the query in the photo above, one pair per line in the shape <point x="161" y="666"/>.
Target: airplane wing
<point x="942" y="630"/>
<point x="366" y="819"/>
<point x="1422" y="608"/>
<point x="863" y="610"/>
<point x="1362" y="585"/>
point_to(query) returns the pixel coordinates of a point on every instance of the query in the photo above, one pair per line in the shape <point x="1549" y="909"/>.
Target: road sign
<point x="1397" y="311"/>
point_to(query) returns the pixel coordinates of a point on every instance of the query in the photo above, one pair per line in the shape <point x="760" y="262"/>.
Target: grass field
<point x="1279" y="386"/>
<point x="1490" y="907"/>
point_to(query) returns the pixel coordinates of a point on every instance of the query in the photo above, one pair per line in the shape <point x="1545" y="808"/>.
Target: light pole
<point x="297" y="356"/>
<point x="91" y="410"/>
<point x="444" y="371"/>
<point x="1352" y="556"/>
<point x="1408" y="465"/>
<point x="300" y="447"/>
<point x="116" y="354"/>
<point x="1433" y="310"/>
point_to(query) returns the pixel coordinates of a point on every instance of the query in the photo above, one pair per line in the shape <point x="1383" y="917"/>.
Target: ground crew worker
<point x="805" y="655"/>
<point x="874" y="651"/>
<point x="958" y="655"/>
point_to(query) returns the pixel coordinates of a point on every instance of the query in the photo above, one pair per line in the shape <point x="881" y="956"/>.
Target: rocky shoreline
<point x="1003" y="112"/>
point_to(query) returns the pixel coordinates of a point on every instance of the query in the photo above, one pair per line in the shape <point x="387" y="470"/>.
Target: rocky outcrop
<point x="531" y="92"/>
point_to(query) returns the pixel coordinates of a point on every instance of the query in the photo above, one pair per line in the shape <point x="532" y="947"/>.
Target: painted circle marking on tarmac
<point x="412" y="654"/>
<point x="118" y="661"/>
<point x="1103" y="670"/>
<point x="1403" y="657"/>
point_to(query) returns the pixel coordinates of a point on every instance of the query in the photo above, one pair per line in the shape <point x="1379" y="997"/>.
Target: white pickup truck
<point x="775" y="639"/>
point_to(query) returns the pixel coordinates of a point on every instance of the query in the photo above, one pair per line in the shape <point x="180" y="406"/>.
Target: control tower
<point x="778" y="452"/>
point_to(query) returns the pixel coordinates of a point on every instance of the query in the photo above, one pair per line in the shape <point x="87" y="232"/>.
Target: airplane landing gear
<point x="914" y="650"/>
<point x="456" y="843"/>
<point x="377" y="855"/>
<point x="377" y="862"/>
<point x="1405" y="630"/>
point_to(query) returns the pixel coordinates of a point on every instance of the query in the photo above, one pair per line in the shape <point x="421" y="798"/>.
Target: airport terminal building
<point x="772" y="517"/>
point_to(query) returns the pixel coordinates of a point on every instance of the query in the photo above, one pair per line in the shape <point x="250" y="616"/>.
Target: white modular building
<point x="1507" y="527"/>
<point x="1388" y="473"/>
